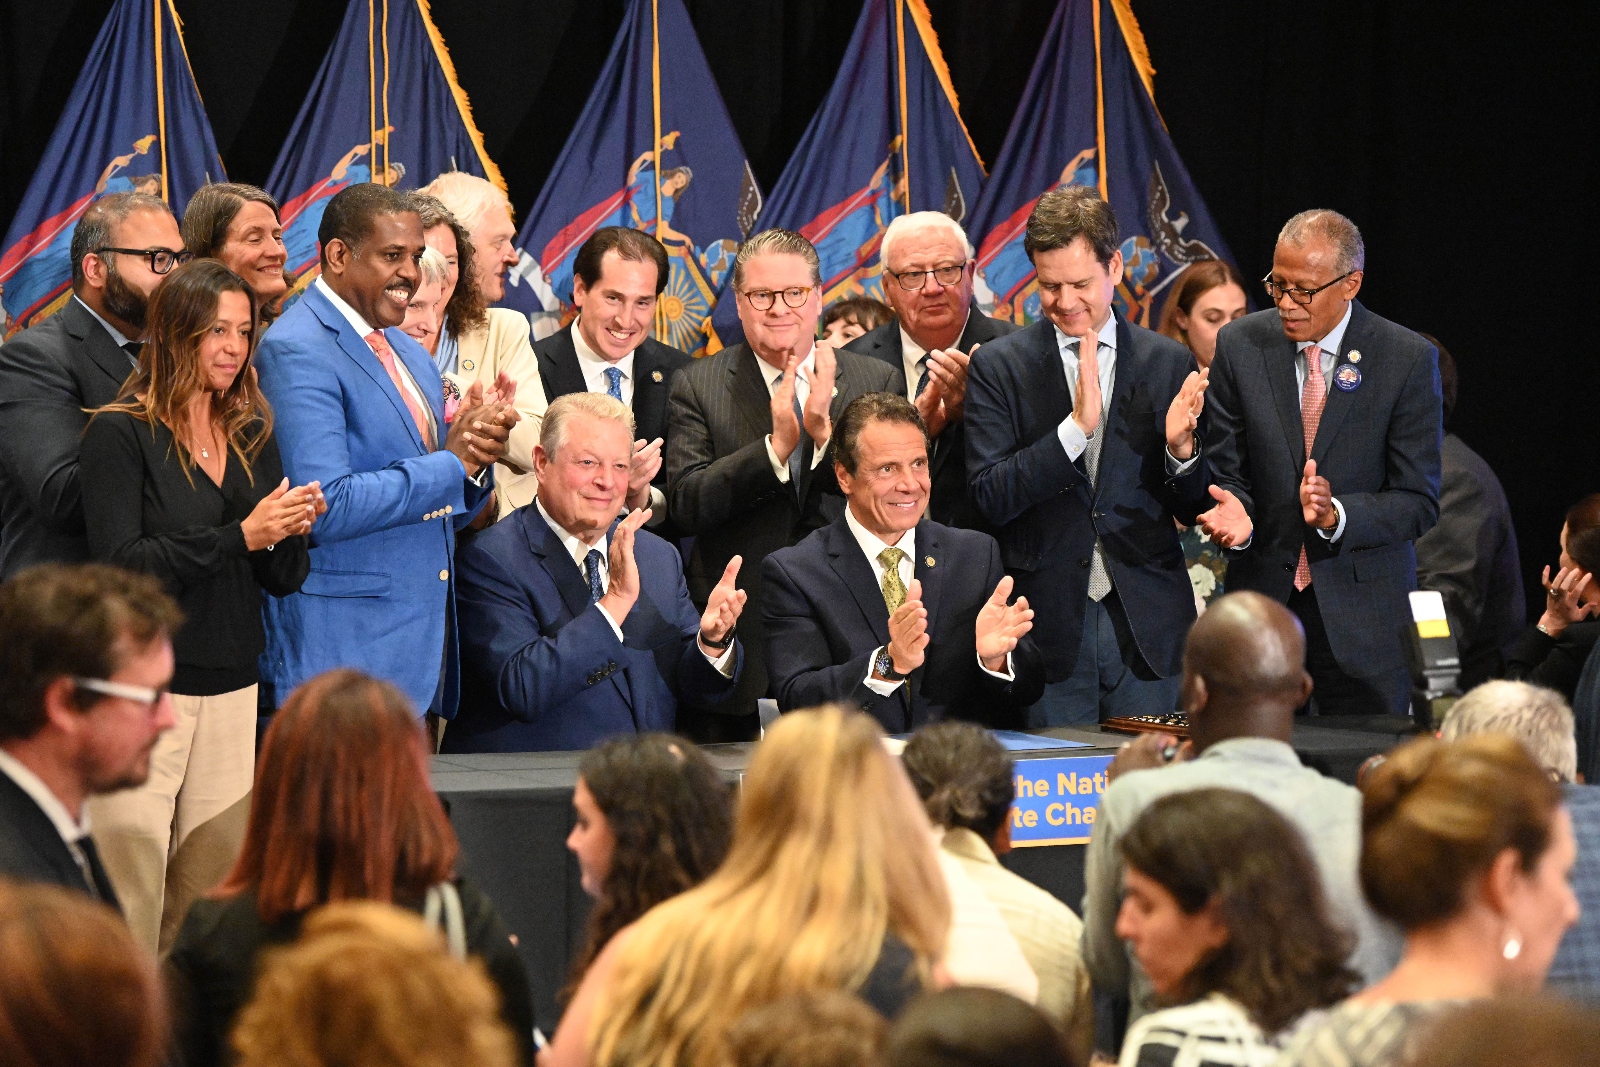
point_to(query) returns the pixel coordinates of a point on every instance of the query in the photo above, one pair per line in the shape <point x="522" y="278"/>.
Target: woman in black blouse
<point x="181" y="480"/>
<point x="1552" y="651"/>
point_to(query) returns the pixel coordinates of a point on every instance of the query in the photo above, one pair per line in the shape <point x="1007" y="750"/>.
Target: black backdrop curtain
<point x="1459" y="136"/>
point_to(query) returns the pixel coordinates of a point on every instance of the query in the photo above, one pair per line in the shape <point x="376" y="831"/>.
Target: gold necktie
<point x="894" y="590"/>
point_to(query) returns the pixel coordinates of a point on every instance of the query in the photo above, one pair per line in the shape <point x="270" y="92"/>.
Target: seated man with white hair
<point x="1541" y="720"/>
<point x="928" y="268"/>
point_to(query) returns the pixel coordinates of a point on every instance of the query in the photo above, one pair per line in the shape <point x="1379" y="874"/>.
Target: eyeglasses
<point x="762" y="299"/>
<point x="162" y="260"/>
<point x="945" y="276"/>
<point x="137" y="693"/>
<point x="1299" y="296"/>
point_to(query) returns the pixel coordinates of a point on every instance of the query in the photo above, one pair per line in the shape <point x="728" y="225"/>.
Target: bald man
<point x="1243" y="677"/>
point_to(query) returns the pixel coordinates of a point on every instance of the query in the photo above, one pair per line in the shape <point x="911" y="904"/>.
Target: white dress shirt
<point x="72" y="830"/>
<point x="363" y="328"/>
<point x="593" y="367"/>
<point x="1330" y="356"/>
<point x="802" y="389"/>
<point x="913" y="357"/>
<point x="579" y="550"/>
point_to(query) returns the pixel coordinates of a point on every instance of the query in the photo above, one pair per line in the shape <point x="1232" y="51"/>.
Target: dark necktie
<point x="597" y="585"/>
<point x="922" y="380"/>
<point x="133" y="348"/>
<point x="87" y="857"/>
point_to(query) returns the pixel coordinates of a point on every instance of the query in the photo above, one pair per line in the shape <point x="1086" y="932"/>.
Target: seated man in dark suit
<point x="888" y="609"/>
<point x="618" y="275"/>
<point x="567" y="639"/>
<point x="928" y="266"/>
<point x="85" y="660"/>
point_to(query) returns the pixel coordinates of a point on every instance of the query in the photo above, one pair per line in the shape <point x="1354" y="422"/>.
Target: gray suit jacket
<point x="1378" y="446"/>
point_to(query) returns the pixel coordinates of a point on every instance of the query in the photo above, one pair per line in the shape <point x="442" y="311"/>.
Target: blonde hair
<point x="1538" y="717"/>
<point x="468" y="197"/>
<point x="776" y="243"/>
<point x="831" y="851"/>
<point x="368" y="985"/>
<point x="435" y="268"/>
<point x="553" y="428"/>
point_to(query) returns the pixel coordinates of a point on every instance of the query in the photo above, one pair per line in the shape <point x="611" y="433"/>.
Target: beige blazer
<point x="503" y="346"/>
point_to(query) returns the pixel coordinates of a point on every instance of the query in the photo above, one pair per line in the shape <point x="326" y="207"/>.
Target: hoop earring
<point x="1513" y="947"/>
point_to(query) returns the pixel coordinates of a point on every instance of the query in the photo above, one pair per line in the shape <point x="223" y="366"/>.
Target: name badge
<point x="1347" y="378"/>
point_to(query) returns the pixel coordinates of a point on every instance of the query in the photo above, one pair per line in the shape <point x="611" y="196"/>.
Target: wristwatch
<point x="883" y="666"/>
<point x="727" y="639"/>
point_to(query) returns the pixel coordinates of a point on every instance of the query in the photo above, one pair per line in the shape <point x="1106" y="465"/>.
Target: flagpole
<point x="372" y="88"/>
<point x="386" y="171"/>
<point x="1099" y="107"/>
<point x="161" y="102"/>
<point x="905" y="148"/>
<point x="655" y="96"/>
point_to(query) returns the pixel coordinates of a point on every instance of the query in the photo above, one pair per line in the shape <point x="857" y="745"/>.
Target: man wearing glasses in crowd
<point x="1324" y="445"/>
<point x="78" y="358"/>
<point x="749" y="466"/>
<point x="927" y="278"/>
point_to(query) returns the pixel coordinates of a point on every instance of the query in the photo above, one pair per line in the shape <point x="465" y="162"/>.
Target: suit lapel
<point x="356" y="347"/>
<point x="850" y="564"/>
<point x="561" y="366"/>
<point x="1339" y="401"/>
<point x="1130" y="372"/>
<point x="552" y="554"/>
<point x="424" y="373"/>
<point x="750" y="396"/>
<point x="929" y="568"/>
<point x="104" y="351"/>
<point x="1280" y="360"/>
<point x="649" y="393"/>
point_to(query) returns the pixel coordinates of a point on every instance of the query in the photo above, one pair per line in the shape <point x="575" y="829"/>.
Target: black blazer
<point x="951" y="503"/>
<point x="48" y="374"/>
<point x="32" y="851"/>
<point x="825" y="616"/>
<point x="1378" y="446"/>
<point x="1046" y="514"/>
<point x="723" y="492"/>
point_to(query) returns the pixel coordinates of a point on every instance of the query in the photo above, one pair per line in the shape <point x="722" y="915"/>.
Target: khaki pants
<point x="169" y="841"/>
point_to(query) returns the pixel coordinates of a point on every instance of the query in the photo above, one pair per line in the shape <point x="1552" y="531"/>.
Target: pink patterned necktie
<point x="1312" y="399"/>
<point x="380" y="348"/>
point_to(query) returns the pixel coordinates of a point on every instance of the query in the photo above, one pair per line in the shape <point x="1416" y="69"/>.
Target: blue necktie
<point x="796" y="458"/>
<point x="922" y="382"/>
<point x="614" y="383"/>
<point x="597" y="585"/>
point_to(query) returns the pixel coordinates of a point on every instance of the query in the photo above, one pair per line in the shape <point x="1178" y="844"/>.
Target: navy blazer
<point x="1377" y="444"/>
<point x="1045" y="513"/>
<point x="542" y="669"/>
<point x="32" y="851"/>
<point x="826" y="616"/>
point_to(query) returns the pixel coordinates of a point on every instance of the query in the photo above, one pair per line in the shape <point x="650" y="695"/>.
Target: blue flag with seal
<point x="1088" y="117"/>
<point x="887" y="140"/>
<point x="654" y="150"/>
<point x="386" y="108"/>
<point x="134" y="122"/>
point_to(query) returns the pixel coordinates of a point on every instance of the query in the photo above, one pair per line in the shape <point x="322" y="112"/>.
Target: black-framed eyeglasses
<point x="1299" y="296"/>
<point x="945" y="276"/>
<point x="139" y="694"/>
<point x="762" y="299"/>
<point x="162" y="260"/>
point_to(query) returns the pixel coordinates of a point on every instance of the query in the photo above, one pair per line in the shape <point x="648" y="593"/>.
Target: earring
<point x="1513" y="947"/>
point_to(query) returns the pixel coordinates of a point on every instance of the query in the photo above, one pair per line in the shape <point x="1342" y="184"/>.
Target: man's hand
<point x="722" y="609"/>
<point x="1147" y="751"/>
<point x="819" y="401"/>
<point x="642" y="470"/>
<point x="504" y="390"/>
<point x="622" y="584"/>
<point x="908" y="631"/>
<point x="1001" y="626"/>
<point x="479" y="431"/>
<point x="1316" y="499"/>
<point x="785" y="427"/>
<point x="1086" y="409"/>
<point x="1183" y="417"/>
<point x="930" y="405"/>
<point x="1228" y="524"/>
<point x="949" y="369"/>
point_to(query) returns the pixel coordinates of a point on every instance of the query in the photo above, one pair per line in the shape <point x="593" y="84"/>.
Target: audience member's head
<point x="1071" y="238"/>
<point x="653" y="818"/>
<point x="369" y="985"/>
<point x="1316" y="271"/>
<point x="1222" y="896"/>
<point x="371" y="239"/>
<point x="1538" y="717"/>
<point x="1514" y="1031"/>
<point x="1449" y="376"/>
<point x="831" y="854"/>
<point x="820" y="1028"/>
<point x="425" y="314"/>
<point x="582" y="460"/>
<point x="1209" y="295"/>
<point x="122" y="247"/>
<point x="881" y="461"/>
<point x="927" y="276"/>
<point x="777" y="279"/>
<point x="974" y="1027"/>
<point x="485" y="211"/>
<point x="965" y="780"/>
<point x="342" y="808"/>
<point x="1243" y="670"/>
<point x="464" y="308"/>
<point x="617" y="276"/>
<point x="85" y="660"/>
<point x="847" y="319"/>
<point x="240" y="225"/>
<point x="1580" y="545"/>
<point x="75" y="988"/>
<point x="1468" y="841"/>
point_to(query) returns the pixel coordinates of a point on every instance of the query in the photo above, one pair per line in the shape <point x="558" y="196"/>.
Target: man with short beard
<point x="78" y="358"/>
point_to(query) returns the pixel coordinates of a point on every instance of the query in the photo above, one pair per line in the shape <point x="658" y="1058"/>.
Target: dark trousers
<point x="1334" y="690"/>
<point x="1110" y="679"/>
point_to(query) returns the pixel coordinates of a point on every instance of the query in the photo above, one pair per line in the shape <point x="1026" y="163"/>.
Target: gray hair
<point x="776" y="243"/>
<point x="1538" y="717"/>
<point x="104" y="215"/>
<point x="469" y="198"/>
<point x="1331" y="227"/>
<point x="435" y="268"/>
<point x="553" y="430"/>
<point x="904" y="225"/>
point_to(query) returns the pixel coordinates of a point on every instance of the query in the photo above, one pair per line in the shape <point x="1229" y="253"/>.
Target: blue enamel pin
<point x="1347" y="378"/>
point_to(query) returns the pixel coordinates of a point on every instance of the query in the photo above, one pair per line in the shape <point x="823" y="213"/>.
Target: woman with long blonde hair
<point x="831" y="883"/>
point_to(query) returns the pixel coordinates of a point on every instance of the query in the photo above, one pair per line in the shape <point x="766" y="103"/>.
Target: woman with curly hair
<point x="653" y="819"/>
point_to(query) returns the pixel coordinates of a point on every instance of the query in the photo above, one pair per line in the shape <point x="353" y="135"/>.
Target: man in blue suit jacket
<point x="359" y="406"/>
<point x="1083" y="448"/>
<point x="576" y="626"/>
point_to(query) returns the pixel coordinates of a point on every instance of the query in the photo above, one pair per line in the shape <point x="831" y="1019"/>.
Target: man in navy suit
<point x="1326" y="451"/>
<point x="576" y="626"/>
<point x="359" y="407"/>
<point x="889" y="610"/>
<point x="1083" y="448"/>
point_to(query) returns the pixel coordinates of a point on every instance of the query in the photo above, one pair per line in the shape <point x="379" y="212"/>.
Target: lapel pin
<point x="836" y="390"/>
<point x="467" y="364"/>
<point x="1347" y="378"/>
<point x="1354" y="357"/>
<point x="655" y="376"/>
<point x="927" y="560"/>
